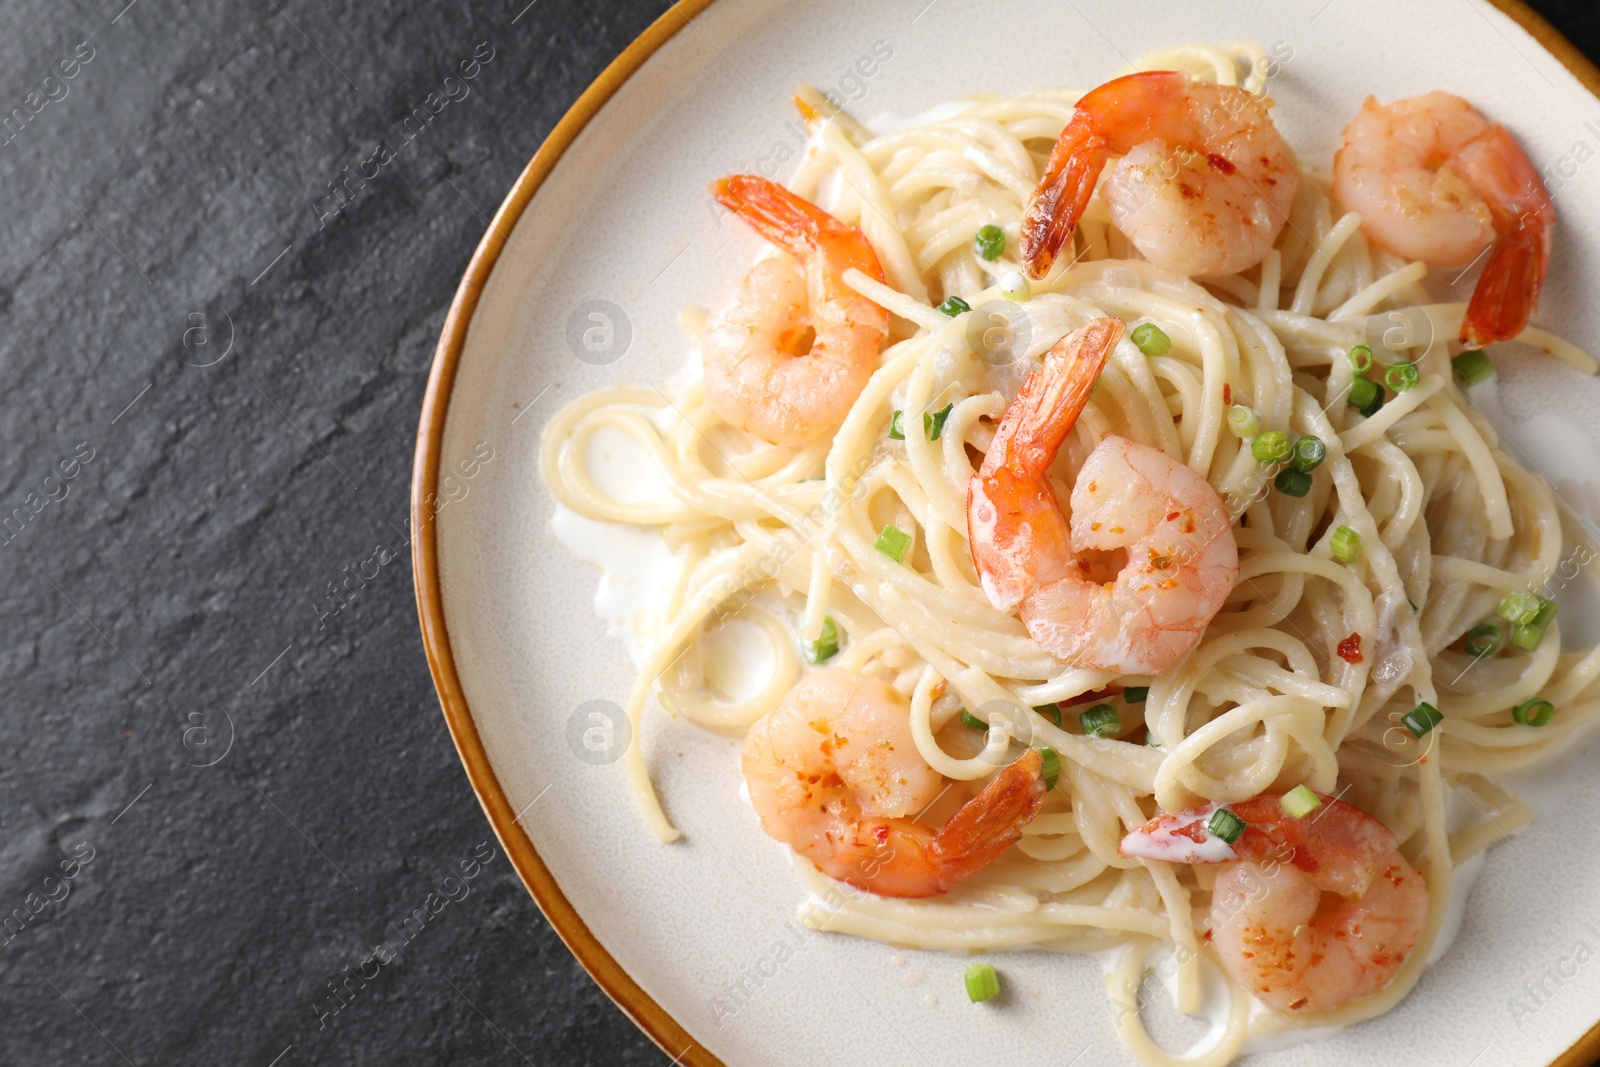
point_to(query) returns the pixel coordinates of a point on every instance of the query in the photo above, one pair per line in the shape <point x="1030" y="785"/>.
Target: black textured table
<point x="232" y="826"/>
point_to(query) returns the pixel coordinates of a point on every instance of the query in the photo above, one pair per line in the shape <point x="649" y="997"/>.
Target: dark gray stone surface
<point x="216" y="793"/>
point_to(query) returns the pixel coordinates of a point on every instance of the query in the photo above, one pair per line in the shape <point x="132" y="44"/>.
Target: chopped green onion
<point x="1226" y="825"/>
<point x="826" y="646"/>
<point x="893" y="542"/>
<point x="1151" y="339"/>
<point x="1345" y="545"/>
<point x="1300" y="802"/>
<point x="1308" y="452"/>
<point x="990" y="242"/>
<point x="972" y="722"/>
<point x="1051" y="712"/>
<point x="1101" y="720"/>
<point x="1243" y="422"/>
<point x="1520" y="608"/>
<point x="897" y="430"/>
<point x="1150" y="739"/>
<point x="1535" y="712"/>
<point x="1014" y="285"/>
<point x="1050" y="770"/>
<point x="1401" y="376"/>
<point x="933" y="422"/>
<point x="1481" y="640"/>
<point x="954" y="305"/>
<point x="1291" y="482"/>
<point x="1422" y="718"/>
<point x="1271" y="447"/>
<point x="1136" y="694"/>
<point x="1472" y="367"/>
<point x="1362" y="393"/>
<point x="982" y="983"/>
<point x="1528" y="635"/>
<point x="1413" y="603"/>
<point x="1361" y="358"/>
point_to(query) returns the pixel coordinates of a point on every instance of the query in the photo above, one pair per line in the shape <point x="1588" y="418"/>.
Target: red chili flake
<point x="1173" y="515"/>
<point x="1227" y="393"/>
<point x="1350" y="649"/>
<point x="1220" y="163"/>
<point x="881" y="833"/>
<point x="1195" y="832"/>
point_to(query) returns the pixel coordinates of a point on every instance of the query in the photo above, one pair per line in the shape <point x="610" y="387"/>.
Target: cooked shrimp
<point x="1204" y="185"/>
<point x="1437" y="182"/>
<point x="1270" y="927"/>
<point x="793" y="347"/>
<point x="834" y="773"/>
<point x="1129" y="499"/>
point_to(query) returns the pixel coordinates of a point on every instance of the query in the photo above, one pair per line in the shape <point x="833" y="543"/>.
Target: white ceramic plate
<point x="614" y="208"/>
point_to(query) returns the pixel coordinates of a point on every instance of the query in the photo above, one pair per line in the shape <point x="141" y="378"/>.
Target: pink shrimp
<point x="1270" y="926"/>
<point x="793" y="347"/>
<point x="834" y="773"/>
<point x="1437" y="182"/>
<point x="1204" y="186"/>
<point x="1129" y="499"/>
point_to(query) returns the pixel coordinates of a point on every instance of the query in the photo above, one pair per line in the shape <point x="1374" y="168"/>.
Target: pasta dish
<point x="1099" y="488"/>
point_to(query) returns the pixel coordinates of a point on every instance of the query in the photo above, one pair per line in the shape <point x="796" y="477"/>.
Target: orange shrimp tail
<point x="1110" y="120"/>
<point x="791" y="222"/>
<point x="1063" y="193"/>
<point x="1507" y="293"/>
<point x="990" y="822"/>
<point x="1013" y="520"/>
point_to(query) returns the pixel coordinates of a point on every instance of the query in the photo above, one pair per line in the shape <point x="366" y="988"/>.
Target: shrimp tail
<point x="990" y="822"/>
<point x="1507" y="293"/>
<point x="1063" y="193"/>
<point x="1013" y="521"/>
<point x="788" y="221"/>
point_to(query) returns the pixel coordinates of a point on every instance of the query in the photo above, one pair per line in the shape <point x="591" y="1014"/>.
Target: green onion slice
<point x="1361" y="358"/>
<point x="1309" y="451"/>
<point x="1521" y="608"/>
<point x="1051" y="712"/>
<point x="954" y="305"/>
<point x="1528" y="635"/>
<point x="1300" y="802"/>
<point x="1271" y="447"/>
<point x="1136" y="694"/>
<point x="1422" y="718"/>
<point x="1151" y="339"/>
<point x="990" y="242"/>
<point x="897" y="426"/>
<point x="1244" y="422"/>
<point x="1472" y="367"/>
<point x="1535" y="712"/>
<point x="1481" y="640"/>
<point x="1101" y="720"/>
<point x="1401" y="376"/>
<point x="1050" y="770"/>
<point x="826" y="646"/>
<point x="972" y="722"/>
<point x="1226" y="825"/>
<point x="1362" y="393"/>
<point x="933" y="422"/>
<point x="1345" y="545"/>
<point x="982" y="982"/>
<point x="1291" y="482"/>
<point x="893" y="542"/>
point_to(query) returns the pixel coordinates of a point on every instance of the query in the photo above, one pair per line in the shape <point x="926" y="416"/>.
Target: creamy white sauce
<point x="737" y="659"/>
<point x="635" y="574"/>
